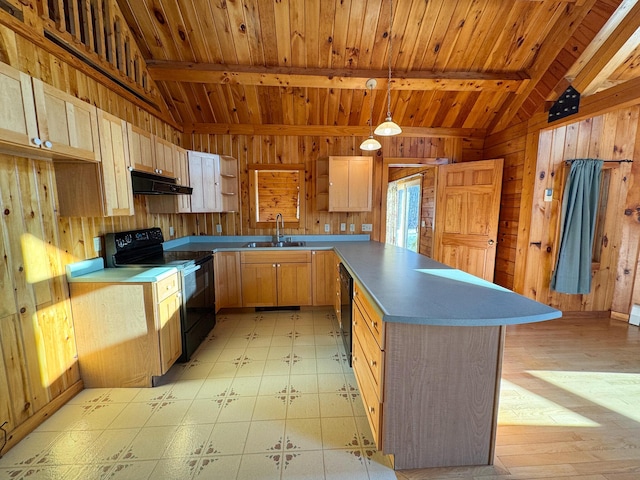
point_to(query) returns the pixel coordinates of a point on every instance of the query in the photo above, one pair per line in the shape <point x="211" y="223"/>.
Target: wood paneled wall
<point x="306" y="149"/>
<point x="528" y="246"/>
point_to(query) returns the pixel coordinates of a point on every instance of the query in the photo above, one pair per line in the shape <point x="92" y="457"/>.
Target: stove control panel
<point x="120" y="246"/>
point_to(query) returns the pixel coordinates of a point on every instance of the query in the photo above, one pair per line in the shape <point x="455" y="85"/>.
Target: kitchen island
<point x="428" y="342"/>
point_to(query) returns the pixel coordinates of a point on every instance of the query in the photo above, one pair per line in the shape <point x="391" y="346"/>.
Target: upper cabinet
<point x="164" y="157"/>
<point x="214" y="179"/>
<point x="174" y="203"/>
<point x="87" y="189"/>
<point x="344" y="184"/>
<point x="67" y="125"/>
<point x="45" y="121"/>
<point x="18" y="126"/>
<point x="140" y="149"/>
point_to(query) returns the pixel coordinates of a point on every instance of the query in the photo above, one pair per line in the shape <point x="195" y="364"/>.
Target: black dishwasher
<point x="346" y="297"/>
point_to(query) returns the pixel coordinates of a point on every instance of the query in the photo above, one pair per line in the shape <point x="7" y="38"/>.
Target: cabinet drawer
<point x="373" y="356"/>
<point x="167" y="286"/>
<point x="291" y="256"/>
<point x="370" y="314"/>
<point x="371" y="400"/>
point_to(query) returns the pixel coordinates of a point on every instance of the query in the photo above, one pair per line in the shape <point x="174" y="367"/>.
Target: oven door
<point x="198" y="308"/>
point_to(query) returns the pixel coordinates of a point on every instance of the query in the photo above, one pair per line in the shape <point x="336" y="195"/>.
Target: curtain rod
<point x="626" y="160"/>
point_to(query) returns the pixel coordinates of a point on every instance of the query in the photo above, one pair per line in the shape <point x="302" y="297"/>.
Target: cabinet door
<point x="259" y="285"/>
<point x="116" y="178"/>
<point x="18" y="123"/>
<point x="338" y="184"/>
<point x="163" y="157"/>
<point x="140" y="150"/>
<point x="294" y="284"/>
<point x="322" y="269"/>
<point x="360" y="182"/>
<point x="228" y="285"/>
<point x="169" y="330"/>
<point x="68" y="123"/>
<point x="204" y="176"/>
<point x="337" y="299"/>
<point x="183" y="202"/>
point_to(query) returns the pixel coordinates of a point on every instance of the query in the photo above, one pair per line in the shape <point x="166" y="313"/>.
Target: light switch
<point x="548" y="194"/>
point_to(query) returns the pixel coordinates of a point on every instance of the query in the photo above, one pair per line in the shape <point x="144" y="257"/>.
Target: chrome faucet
<point x="279" y="220"/>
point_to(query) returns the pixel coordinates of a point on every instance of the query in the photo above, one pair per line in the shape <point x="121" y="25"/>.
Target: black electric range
<point x="143" y="248"/>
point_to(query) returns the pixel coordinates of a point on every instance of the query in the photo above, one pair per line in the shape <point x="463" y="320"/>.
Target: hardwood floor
<point x="569" y="404"/>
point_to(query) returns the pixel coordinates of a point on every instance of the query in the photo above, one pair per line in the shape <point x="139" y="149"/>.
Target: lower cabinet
<point x="323" y="266"/>
<point x="429" y="391"/>
<point x="126" y="333"/>
<point x="368" y="359"/>
<point x="228" y="284"/>
<point x="272" y="279"/>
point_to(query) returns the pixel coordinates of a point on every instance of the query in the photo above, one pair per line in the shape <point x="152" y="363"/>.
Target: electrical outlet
<point x="352" y="227"/>
<point x="218" y="228"/>
<point x="327" y="227"/>
<point x="171" y="232"/>
<point x="367" y="227"/>
<point x="97" y="246"/>
<point x="343" y="227"/>
<point x="548" y="194"/>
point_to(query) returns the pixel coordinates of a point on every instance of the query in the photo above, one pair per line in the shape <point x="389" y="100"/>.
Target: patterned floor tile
<point x="341" y="464"/>
<point x="266" y="436"/>
<point x="223" y="467"/>
<point x="338" y="432"/>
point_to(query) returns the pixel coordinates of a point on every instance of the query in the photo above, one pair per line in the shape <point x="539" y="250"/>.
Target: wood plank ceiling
<point x="476" y="65"/>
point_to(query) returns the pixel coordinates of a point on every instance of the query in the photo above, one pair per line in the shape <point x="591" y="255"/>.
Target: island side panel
<point x="441" y="394"/>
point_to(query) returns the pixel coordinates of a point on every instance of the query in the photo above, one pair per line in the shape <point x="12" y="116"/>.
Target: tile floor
<point x="268" y="395"/>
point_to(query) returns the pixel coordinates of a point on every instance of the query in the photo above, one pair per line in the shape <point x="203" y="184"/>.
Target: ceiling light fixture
<point x="389" y="127"/>
<point x="371" y="143"/>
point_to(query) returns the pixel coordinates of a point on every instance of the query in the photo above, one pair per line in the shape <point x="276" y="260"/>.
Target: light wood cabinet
<point x="163" y="157"/>
<point x="344" y="183"/>
<point x="174" y="203"/>
<point x="450" y="403"/>
<point x="368" y="359"/>
<point x="323" y="268"/>
<point x="126" y="333"/>
<point x="67" y="123"/>
<point x="228" y="283"/>
<point x="276" y="278"/>
<point x="214" y="179"/>
<point x="229" y="186"/>
<point x="87" y="189"/>
<point x="140" y="149"/>
<point x="18" y="125"/>
<point x="45" y="121"/>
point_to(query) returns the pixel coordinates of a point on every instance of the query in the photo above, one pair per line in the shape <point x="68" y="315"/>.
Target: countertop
<point x="408" y="287"/>
<point x="93" y="270"/>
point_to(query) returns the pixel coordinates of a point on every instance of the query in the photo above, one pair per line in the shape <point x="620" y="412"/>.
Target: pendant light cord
<point x="390" y="46"/>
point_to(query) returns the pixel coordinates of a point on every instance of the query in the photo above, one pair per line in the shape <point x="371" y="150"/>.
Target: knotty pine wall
<point x="527" y="247"/>
<point x="306" y="150"/>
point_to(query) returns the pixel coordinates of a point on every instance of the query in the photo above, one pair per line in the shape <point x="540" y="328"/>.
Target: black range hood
<point x="144" y="183"/>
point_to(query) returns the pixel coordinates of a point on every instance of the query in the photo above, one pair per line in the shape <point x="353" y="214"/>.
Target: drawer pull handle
<point x="372" y="410"/>
<point x="373" y="363"/>
<point x="374" y="324"/>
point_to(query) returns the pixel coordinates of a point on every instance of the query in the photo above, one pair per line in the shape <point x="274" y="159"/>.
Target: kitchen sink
<point x="281" y="244"/>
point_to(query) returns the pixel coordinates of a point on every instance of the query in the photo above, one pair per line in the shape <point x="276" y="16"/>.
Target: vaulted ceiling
<point x="476" y="65"/>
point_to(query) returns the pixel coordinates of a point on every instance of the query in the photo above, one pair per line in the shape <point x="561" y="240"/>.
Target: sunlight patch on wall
<point x="519" y="406"/>
<point x="40" y="258"/>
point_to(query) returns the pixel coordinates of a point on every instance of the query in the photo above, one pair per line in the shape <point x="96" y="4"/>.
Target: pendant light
<point x="389" y="127"/>
<point x="371" y="143"/>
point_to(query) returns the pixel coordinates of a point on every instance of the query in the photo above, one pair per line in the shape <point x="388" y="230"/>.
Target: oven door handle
<point x="190" y="270"/>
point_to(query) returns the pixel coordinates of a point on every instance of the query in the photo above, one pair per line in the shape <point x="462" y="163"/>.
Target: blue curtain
<point x="579" y="208"/>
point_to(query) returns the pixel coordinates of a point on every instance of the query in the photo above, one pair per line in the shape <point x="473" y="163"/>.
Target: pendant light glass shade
<point x="389" y="127"/>
<point x="370" y="144"/>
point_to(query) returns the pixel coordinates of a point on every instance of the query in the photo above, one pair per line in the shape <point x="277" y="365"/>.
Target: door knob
<point x="491" y="242"/>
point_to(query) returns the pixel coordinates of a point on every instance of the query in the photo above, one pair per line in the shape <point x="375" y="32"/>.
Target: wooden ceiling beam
<point x="324" y="130"/>
<point x="615" y="42"/>
<point x="333" y="78"/>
